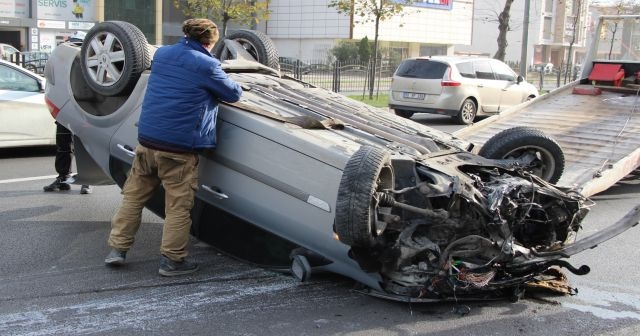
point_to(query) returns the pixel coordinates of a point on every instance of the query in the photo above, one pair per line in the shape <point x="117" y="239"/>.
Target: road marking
<point x="25" y="179"/>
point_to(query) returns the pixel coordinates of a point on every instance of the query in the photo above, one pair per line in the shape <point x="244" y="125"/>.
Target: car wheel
<point x="31" y="68"/>
<point x="367" y="172"/>
<point x="404" y="113"/>
<point x="548" y="158"/>
<point x="257" y="44"/>
<point x="114" y="54"/>
<point x="467" y="112"/>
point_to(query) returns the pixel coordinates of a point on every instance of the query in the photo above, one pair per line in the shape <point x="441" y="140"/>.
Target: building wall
<point x="545" y="44"/>
<point x="307" y="29"/>
<point x="425" y="25"/>
<point x="298" y="19"/>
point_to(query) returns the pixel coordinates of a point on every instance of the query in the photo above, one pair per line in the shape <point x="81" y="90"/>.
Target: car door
<point x="24" y="117"/>
<point x="511" y="91"/>
<point x="489" y="89"/>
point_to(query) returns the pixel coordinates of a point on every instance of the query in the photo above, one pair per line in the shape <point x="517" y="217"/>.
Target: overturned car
<point x="307" y="180"/>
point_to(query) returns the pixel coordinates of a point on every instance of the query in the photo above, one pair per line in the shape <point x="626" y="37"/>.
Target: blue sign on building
<point x="436" y="4"/>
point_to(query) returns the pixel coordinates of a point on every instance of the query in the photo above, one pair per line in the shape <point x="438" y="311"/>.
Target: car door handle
<point x="127" y="149"/>
<point x="480" y="85"/>
<point x="217" y="193"/>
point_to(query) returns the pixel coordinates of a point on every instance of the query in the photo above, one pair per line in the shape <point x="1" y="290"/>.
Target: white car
<point x="25" y="119"/>
<point x="461" y="87"/>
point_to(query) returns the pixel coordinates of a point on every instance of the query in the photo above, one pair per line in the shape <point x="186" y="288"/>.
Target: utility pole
<point x="525" y="39"/>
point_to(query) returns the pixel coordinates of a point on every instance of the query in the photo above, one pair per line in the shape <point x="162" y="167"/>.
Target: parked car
<point x="461" y="87"/>
<point x="307" y="180"/>
<point x="6" y="50"/>
<point x="24" y="117"/>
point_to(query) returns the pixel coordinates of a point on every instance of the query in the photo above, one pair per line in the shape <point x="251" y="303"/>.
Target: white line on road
<point x="24" y="179"/>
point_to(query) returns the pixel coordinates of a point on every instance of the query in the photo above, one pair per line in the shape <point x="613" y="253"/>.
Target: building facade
<point x="555" y="27"/>
<point x="40" y="25"/>
<point x="308" y="29"/>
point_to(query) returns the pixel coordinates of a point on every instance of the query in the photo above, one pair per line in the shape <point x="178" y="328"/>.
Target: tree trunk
<point x="372" y="74"/>
<point x="503" y="28"/>
<point x="225" y="20"/>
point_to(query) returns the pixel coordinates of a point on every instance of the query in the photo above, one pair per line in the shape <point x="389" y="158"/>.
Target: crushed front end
<point x="460" y="226"/>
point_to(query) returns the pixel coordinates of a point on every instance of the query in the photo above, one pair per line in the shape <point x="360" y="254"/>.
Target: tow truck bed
<point x="598" y="133"/>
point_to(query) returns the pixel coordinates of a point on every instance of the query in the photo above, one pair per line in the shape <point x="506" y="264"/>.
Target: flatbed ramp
<point x="599" y="134"/>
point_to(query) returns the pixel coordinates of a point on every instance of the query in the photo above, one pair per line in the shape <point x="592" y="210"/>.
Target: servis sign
<point x="68" y="10"/>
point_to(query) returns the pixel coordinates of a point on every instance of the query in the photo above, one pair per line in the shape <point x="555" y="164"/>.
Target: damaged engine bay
<point x="460" y="226"/>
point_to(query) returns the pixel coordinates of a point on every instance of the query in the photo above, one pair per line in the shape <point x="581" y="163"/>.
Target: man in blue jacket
<point x="178" y="120"/>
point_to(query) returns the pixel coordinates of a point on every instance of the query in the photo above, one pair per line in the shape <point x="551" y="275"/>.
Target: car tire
<point x="257" y="44"/>
<point x="31" y="68"/>
<point x="404" y="113"/>
<point x="467" y="112"/>
<point x="516" y="141"/>
<point x="367" y="172"/>
<point x="114" y="69"/>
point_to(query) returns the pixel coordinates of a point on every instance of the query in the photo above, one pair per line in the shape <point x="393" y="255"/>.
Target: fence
<point x="344" y="77"/>
<point x="353" y="77"/>
<point x="548" y="80"/>
<point x="33" y="61"/>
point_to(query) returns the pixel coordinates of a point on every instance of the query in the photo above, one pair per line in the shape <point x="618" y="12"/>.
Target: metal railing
<point x="344" y="77"/>
<point x="33" y="61"/>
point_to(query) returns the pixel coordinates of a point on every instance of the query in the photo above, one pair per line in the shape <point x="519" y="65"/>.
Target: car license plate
<point x="413" y="95"/>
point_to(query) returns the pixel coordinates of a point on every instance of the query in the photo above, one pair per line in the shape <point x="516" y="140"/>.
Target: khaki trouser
<point x="178" y="173"/>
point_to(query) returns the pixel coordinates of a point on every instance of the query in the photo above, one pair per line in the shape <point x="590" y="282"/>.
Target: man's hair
<point x="202" y="30"/>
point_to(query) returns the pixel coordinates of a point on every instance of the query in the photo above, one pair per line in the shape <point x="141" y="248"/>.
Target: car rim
<point x="542" y="166"/>
<point x="249" y="47"/>
<point x="384" y="182"/>
<point x="105" y="59"/>
<point x="468" y="111"/>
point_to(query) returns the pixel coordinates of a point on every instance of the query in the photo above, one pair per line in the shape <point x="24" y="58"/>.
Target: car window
<point x="11" y="79"/>
<point x="6" y="51"/>
<point x="422" y="68"/>
<point x="466" y="69"/>
<point x="503" y="71"/>
<point x="483" y="70"/>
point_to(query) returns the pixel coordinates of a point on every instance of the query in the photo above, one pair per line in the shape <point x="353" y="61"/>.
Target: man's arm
<point x="223" y="87"/>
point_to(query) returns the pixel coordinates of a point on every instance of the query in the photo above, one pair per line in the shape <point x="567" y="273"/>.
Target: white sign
<point x="34" y="31"/>
<point x="76" y="10"/>
<point x="78" y="25"/>
<point x="16" y="9"/>
<point x="51" y="24"/>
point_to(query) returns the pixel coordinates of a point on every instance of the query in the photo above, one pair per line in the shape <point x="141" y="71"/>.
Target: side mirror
<point x="519" y="79"/>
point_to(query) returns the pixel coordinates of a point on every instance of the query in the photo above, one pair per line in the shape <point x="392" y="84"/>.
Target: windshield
<point x="421" y="68"/>
<point x="618" y="38"/>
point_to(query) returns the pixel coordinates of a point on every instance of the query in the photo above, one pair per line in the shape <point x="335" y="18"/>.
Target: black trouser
<point x="64" y="141"/>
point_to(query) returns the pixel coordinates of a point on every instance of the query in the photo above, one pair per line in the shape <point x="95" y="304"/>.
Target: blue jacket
<point x="180" y="105"/>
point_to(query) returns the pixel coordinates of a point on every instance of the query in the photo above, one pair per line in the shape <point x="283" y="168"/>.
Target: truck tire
<point x="368" y="171"/>
<point x="257" y="44"/>
<point x="517" y="141"/>
<point x="114" y="54"/>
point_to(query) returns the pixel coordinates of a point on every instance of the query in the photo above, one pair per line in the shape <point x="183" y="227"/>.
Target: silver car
<point x="461" y="87"/>
<point x="308" y="180"/>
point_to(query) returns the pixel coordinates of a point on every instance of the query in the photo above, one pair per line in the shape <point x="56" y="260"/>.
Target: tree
<point x="364" y="49"/>
<point x="575" y="28"/>
<point x="375" y="11"/>
<point x="345" y="51"/>
<point x="503" y="28"/>
<point x="241" y="11"/>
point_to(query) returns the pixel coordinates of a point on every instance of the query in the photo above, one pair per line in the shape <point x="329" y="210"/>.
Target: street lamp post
<point x="525" y="39"/>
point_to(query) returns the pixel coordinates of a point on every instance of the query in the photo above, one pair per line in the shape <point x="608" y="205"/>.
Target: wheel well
<point x="474" y="99"/>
